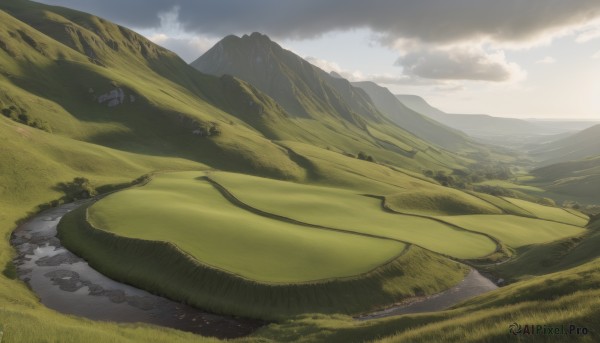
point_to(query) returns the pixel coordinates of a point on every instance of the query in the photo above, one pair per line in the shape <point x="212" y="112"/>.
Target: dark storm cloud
<point x="424" y="20"/>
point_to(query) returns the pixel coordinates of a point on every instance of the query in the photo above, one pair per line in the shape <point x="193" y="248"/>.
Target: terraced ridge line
<point x="234" y="200"/>
<point x="237" y="202"/>
<point x="499" y="245"/>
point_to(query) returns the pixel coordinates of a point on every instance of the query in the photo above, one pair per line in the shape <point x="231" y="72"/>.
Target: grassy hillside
<point x="569" y="297"/>
<point x="186" y="210"/>
<point x="551" y="213"/>
<point x="576" y="180"/>
<point x="578" y="146"/>
<point x="329" y="111"/>
<point x="83" y="97"/>
<point x="477" y="125"/>
<point x="163" y="268"/>
<point x="515" y="231"/>
<point x="346" y="210"/>
<point x="438" y="201"/>
<point x="414" y="122"/>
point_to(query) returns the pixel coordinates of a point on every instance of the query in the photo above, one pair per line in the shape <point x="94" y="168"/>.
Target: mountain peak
<point x="257" y="36"/>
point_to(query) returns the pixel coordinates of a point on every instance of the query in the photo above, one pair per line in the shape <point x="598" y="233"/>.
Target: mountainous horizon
<point x="307" y="92"/>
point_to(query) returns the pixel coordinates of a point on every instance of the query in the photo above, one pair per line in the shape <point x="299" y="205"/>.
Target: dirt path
<point x="66" y="283"/>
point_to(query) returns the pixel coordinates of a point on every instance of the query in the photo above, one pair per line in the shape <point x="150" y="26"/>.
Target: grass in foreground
<point x="162" y="268"/>
<point x="189" y="212"/>
<point x="568" y="297"/>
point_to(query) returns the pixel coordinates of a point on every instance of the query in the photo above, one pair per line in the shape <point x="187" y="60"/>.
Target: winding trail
<point x="66" y="283"/>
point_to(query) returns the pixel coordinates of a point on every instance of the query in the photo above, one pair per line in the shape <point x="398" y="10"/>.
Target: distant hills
<point x="576" y="180"/>
<point x="412" y="120"/>
<point x="332" y="107"/>
<point x="583" y="144"/>
<point x="497" y="130"/>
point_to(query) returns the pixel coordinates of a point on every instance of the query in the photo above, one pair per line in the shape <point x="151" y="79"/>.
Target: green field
<point x="163" y="268"/>
<point x="438" y="201"/>
<point x="347" y="210"/>
<point x="515" y="231"/>
<point x="182" y="237"/>
<point x="188" y="211"/>
<point x="550" y="213"/>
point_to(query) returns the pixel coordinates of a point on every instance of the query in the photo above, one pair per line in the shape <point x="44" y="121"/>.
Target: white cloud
<point x="596" y="55"/>
<point x="357" y="75"/>
<point x="546" y="60"/>
<point x="460" y="63"/>
<point x="588" y="34"/>
<point x="171" y="35"/>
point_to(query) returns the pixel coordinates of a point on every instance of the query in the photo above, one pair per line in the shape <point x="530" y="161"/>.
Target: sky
<point x="511" y="58"/>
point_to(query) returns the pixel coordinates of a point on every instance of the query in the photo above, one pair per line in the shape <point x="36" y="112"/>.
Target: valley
<point x="252" y="195"/>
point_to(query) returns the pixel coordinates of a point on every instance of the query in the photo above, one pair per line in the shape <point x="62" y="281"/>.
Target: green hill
<point x="83" y="97"/>
<point x="577" y="180"/>
<point x="580" y="145"/>
<point x="328" y="111"/>
<point x="414" y="122"/>
<point x="476" y="125"/>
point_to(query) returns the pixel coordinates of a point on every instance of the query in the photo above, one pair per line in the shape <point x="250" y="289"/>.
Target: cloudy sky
<point x="516" y="58"/>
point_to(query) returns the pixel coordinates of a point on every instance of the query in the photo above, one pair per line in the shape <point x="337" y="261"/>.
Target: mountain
<point x="476" y="125"/>
<point x="580" y="145"/>
<point x="303" y="90"/>
<point x="91" y="80"/>
<point x="512" y="132"/>
<point x="326" y="109"/>
<point x="413" y="121"/>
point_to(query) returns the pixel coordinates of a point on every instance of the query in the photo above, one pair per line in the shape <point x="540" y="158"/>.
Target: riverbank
<point x="66" y="283"/>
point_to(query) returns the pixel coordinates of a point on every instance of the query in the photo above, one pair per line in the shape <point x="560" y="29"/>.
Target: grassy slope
<point x="34" y="163"/>
<point x="552" y="257"/>
<point x="515" y="231"/>
<point x="189" y="212"/>
<point x="342" y="209"/>
<point x="550" y="213"/>
<point x="568" y="297"/>
<point x="416" y="123"/>
<point x="170" y="96"/>
<point x="21" y="315"/>
<point x="577" y="180"/>
<point x="439" y="201"/>
<point x="342" y="112"/>
<point x="173" y="273"/>
<point x="578" y="146"/>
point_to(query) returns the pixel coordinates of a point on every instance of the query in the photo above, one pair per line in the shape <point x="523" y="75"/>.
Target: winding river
<point x="66" y="283"/>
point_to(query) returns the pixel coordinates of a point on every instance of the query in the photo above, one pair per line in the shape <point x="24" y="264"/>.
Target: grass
<point x="162" y="268"/>
<point x="511" y="185"/>
<point x="552" y="257"/>
<point x="515" y="231"/>
<point x="567" y="297"/>
<point x="347" y="210"/>
<point x="43" y="44"/>
<point x="506" y="206"/>
<point x="33" y="163"/>
<point x="189" y="212"/>
<point x="550" y="213"/>
<point x="439" y="201"/>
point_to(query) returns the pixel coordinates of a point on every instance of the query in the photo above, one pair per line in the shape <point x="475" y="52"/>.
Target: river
<point x="66" y="283"/>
